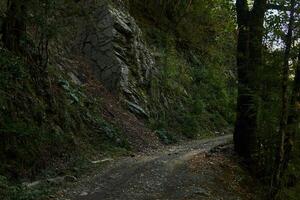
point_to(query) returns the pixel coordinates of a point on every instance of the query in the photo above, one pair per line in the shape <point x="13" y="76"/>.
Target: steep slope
<point x="175" y="76"/>
<point x="50" y="117"/>
<point x="115" y="80"/>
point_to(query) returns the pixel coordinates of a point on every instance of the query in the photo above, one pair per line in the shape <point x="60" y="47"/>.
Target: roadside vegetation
<point x="220" y="67"/>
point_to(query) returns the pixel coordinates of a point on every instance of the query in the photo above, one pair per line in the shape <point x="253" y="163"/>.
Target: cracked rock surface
<point x="114" y="46"/>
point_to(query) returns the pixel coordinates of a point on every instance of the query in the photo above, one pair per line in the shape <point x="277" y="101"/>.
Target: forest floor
<point x="204" y="169"/>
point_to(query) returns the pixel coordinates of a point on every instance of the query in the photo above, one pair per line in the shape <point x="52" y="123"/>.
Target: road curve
<point x="158" y="175"/>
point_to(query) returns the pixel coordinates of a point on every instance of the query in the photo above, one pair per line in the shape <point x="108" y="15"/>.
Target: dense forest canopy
<point x="74" y="72"/>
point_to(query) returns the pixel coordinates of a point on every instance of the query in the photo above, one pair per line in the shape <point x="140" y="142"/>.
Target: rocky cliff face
<point x="120" y="58"/>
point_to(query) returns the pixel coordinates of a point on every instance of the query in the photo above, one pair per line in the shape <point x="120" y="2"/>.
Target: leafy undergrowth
<point x="292" y="178"/>
<point x="54" y="127"/>
<point x="193" y="93"/>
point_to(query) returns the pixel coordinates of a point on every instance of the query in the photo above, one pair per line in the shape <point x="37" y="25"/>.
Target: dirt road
<point x="186" y="171"/>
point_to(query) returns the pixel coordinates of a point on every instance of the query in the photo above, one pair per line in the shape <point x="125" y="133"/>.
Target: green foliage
<point x="34" y="130"/>
<point x="166" y="137"/>
<point x="190" y="125"/>
<point x="270" y="116"/>
<point x="112" y="134"/>
<point x="9" y="191"/>
<point x="291" y="180"/>
<point x="194" y="91"/>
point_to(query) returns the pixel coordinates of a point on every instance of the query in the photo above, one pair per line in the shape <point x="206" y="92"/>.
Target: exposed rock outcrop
<point x="119" y="56"/>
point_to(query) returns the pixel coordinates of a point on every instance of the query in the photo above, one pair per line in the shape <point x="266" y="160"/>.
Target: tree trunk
<point x="242" y="63"/>
<point x="249" y="60"/>
<point x="294" y="115"/>
<point x="293" y="120"/>
<point x="284" y="137"/>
